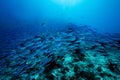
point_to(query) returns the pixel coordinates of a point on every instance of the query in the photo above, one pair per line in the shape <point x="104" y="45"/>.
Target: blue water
<point x="23" y="19"/>
<point x="19" y="19"/>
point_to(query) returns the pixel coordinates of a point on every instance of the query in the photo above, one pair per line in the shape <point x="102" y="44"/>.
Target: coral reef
<point x="74" y="54"/>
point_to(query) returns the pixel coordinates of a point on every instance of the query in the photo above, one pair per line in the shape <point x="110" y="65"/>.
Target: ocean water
<point x="59" y="40"/>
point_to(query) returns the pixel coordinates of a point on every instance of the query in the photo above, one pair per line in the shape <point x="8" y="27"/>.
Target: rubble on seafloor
<point x="69" y="55"/>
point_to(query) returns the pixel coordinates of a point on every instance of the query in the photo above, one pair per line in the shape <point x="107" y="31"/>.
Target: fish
<point x="43" y="24"/>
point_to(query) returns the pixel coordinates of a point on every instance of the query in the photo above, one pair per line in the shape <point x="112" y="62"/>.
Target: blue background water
<point x="20" y="19"/>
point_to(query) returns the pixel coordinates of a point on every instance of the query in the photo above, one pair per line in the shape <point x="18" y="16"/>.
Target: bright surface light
<point x="67" y="2"/>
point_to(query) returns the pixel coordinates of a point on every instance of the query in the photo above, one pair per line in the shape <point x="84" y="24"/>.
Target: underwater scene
<point x="59" y="39"/>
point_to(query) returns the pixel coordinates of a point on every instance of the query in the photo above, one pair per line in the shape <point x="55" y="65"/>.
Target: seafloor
<point x="73" y="54"/>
